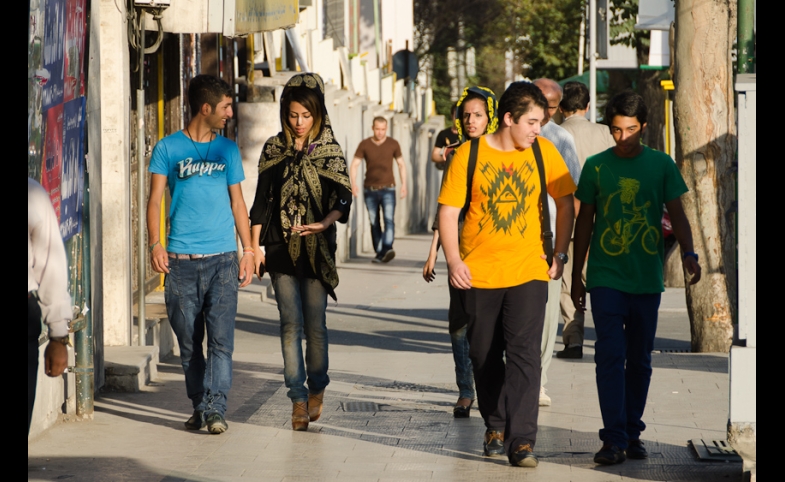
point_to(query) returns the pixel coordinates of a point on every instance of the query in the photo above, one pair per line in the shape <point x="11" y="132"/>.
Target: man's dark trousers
<point x="508" y="319"/>
<point x="625" y="324"/>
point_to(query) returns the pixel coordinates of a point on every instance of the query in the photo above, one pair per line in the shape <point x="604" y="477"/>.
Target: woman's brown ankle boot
<point x="300" y="416"/>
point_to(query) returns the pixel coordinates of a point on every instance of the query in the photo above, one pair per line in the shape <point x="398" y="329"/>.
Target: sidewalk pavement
<point x="388" y="409"/>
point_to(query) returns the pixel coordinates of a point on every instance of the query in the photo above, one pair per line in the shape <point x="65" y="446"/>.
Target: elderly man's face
<point x="553" y="104"/>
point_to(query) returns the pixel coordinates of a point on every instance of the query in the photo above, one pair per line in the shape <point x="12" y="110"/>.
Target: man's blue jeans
<point x="384" y="198"/>
<point x="202" y="293"/>
<point x="302" y="304"/>
<point x="625" y="324"/>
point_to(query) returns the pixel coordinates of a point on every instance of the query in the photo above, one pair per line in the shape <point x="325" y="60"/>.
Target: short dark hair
<point x="379" y="118"/>
<point x="519" y="98"/>
<point x="576" y="97"/>
<point x="206" y="89"/>
<point x="627" y="104"/>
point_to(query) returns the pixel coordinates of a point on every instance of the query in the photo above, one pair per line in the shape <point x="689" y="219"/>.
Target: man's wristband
<point x="152" y="246"/>
<point x="690" y="254"/>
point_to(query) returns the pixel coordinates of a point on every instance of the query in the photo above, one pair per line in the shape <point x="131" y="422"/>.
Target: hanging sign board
<point x="258" y="16"/>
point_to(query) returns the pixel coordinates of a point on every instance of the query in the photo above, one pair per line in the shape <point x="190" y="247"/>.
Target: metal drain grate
<point x="673" y="350"/>
<point x="714" y="450"/>
<point x="360" y="406"/>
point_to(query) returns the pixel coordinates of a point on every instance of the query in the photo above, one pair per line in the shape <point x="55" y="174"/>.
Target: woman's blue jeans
<point x="202" y="293"/>
<point x="626" y="325"/>
<point x="464" y="376"/>
<point x="302" y="304"/>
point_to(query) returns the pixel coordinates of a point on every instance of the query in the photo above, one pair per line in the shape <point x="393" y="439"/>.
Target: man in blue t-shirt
<point x="622" y="191"/>
<point x="203" y="171"/>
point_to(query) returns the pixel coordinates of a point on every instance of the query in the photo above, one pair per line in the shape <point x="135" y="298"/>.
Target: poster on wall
<point x="74" y="75"/>
<point x="54" y="41"/>
<point x="72" y="181"/>
<point x="51" y="170"/>
<point x="36" y="79"/>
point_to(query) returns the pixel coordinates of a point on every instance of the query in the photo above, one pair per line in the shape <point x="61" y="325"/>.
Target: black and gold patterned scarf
<point x="301" y="186"/>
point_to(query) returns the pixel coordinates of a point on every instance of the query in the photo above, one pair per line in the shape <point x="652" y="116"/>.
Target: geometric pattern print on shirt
<point x="625" y="220"/>
<point x="507" y="191"/>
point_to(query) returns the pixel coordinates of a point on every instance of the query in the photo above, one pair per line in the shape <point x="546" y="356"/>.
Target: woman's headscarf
<point x="301" y="184"/>
<point x="492" y="106"/>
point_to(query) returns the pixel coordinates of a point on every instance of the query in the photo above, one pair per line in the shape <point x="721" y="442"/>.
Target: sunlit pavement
<point x="389" y="348"/>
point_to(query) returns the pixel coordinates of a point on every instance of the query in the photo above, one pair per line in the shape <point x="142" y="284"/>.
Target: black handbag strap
<point x="545" y="220"/>
<point x="470" y="167"/>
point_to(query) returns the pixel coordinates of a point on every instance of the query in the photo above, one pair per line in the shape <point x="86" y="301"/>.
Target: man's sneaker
<point x="195" y="422"/>
<point x="377" y="259"/>
<point x="545" y="400"/>
<point x="609" y="455"/>
<point x="388" y="256"/>
<point x="216" y="423"/>
<point x="636" y="450"/>
<point x="572" y="351"/>
<point x="493" y="444"/>
<point x="523" y="456"/>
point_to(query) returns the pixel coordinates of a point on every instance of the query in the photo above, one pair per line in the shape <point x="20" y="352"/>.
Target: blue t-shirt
<point x="199" y="179"/>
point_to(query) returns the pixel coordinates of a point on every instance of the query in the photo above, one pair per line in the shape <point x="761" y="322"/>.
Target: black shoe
<point x="195" y="422"/>
<point x="216" y="423"/>
<point x="493" y="444"/>
<point x="636" y="450"/>
<point x="572" y="352"/>
<point x="377" y="259"/>
<point x="523" y="456"/>
<point x="461" y="411"/>
<point x="609" y="455"/>
<point x="388" y="256"/>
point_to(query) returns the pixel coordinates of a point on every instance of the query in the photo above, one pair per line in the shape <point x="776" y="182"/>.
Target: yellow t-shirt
<point x="501" y="241"/>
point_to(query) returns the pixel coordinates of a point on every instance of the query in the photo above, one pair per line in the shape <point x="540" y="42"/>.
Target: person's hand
<point x="693" y="268"/>
<point x="159" y="258"/>
<point x="578" y="294"/>
<point x="258" y="260"/>
<point x="246" y="269"/>
<point x="306" y="229"/>
<point x="355" y="190"/>
<point x="446" y="152"/>
<point x="557" y="267"/>
<point x="404" y="192"/>
<point x="428" y="272"/>
<point x="460" y="276"/>
<point x="55" y="359"/>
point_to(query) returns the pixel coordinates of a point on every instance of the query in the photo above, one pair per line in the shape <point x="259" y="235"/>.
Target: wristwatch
<point x="65" y="340"/>
<point x="690" y="253"/>
<point x="563" y="257"/>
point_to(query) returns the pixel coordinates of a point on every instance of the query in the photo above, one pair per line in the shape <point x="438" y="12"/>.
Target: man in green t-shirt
<point x="622" y="192"/>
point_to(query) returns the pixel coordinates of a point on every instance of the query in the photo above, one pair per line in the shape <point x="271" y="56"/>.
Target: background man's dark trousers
<point x="381" y="203"/>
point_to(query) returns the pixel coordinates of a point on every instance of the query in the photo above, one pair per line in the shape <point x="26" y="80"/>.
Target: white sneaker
<point x="545" y="400"/>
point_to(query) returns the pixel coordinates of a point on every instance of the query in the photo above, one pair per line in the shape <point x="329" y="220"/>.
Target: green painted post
<point x="83" y="339"/>
<point x="745" y="37"/>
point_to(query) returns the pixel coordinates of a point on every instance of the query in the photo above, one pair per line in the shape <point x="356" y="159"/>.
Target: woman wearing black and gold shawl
<point x="303" y="190"/>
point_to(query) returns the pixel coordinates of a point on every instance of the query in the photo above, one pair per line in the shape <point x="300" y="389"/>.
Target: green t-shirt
<point x="627" y="251"/>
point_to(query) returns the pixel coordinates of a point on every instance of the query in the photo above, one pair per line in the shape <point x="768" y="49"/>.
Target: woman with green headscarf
<point x="475" y="116"/>
<point x="303" y="190"/>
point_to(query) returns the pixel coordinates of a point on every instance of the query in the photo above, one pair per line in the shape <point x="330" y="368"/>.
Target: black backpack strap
<point x="545" y="220"/>
<point x="470" y="167"/>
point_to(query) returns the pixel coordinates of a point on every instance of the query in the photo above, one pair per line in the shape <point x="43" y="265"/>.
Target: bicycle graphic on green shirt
<point x="620" y="235"/>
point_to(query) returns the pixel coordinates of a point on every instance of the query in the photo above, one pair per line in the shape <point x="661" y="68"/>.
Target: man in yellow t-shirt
<point x="500" y="266"/>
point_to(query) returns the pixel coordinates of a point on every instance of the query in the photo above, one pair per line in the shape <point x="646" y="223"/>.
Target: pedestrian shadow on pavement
<point x="396" y="340"/>
<point x="100" y="469"/>
<point x="416" y="417"/>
